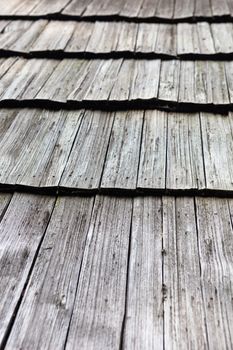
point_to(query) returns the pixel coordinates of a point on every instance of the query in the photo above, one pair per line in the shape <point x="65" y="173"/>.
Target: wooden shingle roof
<point x="116" y="174"/>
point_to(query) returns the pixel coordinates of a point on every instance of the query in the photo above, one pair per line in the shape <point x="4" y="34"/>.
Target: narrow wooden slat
<point x="229" y="78"/>
<point x="144" y="312"/>
<point x="169" y="80"/>
<point x="153" y="151"/>
<point x="100" y="300"/>
<point x="184" y="317"/>
<point x="76" y="8"/>
<point x="12" y="33"/>
<point x="85" y="165"/>
<point x="145" y="79"/>
<point x="187" y="39"/>
<point x="104" y="37"/>
<point x="146" y="37"/>
<point x="44" y="315"/>
<point x="217" y="80"/>
<point x="94" y="8"/>
<point x="45" y="7"/>
<point x="185" y="168"/>
<point x="187" y="82"/>
<point x="203" y="88"/>
<point x="131" y="8"/>
<point x="121" y="166"/>
<point x="148" y="8"/>
<point x="203" y="8"/>
<point x="217" y="132"/>
<point x="220" y="8"/>
<point x="21" y="230"/>
<point x="206" y="43"/>
<point x="80" y="37"/>
<point x="121" y="87"/>
<point x="216" y="263"/>
<point x="36" y="146"/>
<point x="223" y="38"/>
<point x="5" y="199"/>
<point x="127" y="37"/>
<point x="166" y="40"/>
<point x="184" y="9"/>
<point x="54" y="37"/>
<point x="101" y="87"/>
<point x="165" y="9"/>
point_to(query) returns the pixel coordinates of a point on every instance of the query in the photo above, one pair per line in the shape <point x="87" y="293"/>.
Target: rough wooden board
<point x="202" y="8"/>
<point x="165" y="9"/>
<point x="85" y="164"/>
<point x="104" y="37"/>
<point x="131" y="8"/>
<point x="62" y="80"/>
<point x="101" y="87"/>
<point x="100" y="300"/>
<point x="206" y="42"/>
<point x="166" y="42"/>
<point x="202" y="86"/>
<point x="184" y="9"/>
<point x="5" y="199"/>
<point x="121" y="165"/>
<point x="169" y="80"/>
<point x="217" y="79"/>
<point x="229" y="78"/>
<point x="127" y="37"/>
<point x="49" y="40"/>
<point x="80" y="37"/>
<point x="12" y="33"/>
<point x="146" y="37"/>
<point x="144" y="308"/>
<point x="76" y="8"/>
<point x="21" y="229"/>
<point x="185" y="168"/>
<point x="152" y="166"/>
<point x="148" y="8"/>
<point x="9" y="68"/>
<point x="216" y="263"/>
<point x="28" y="37"/>
<point x="25" y="79"/>
<point x="36" y="146"/>
<point x="44" y="315"/>
<point x="217" y="136"/>
<point x="223" y="38"/>
<point x="187" y="39"/>
<point x="45" y="7"/>
<point x="184" y="318"/>
<point x="120" y="90"/>
<point x="145" y="80"/>
<point x="220" y="8"/>
<point x="187" y="82"/>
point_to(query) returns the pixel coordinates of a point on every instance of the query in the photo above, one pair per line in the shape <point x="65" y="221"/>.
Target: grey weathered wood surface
<point x="98" y="314"/>
<point x="21" y="229"/>
<point x="144" y="308"/>
<point x="44" y="315"/>
<point x="184" y="308"/>
<point x="43" y="37"/>
<point x="214" y="221"/>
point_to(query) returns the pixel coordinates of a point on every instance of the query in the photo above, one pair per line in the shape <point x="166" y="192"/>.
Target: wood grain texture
<point x="98" y="314"/>
<point x="121" y="165"/>
<point x="22" y="229"/>
<point x="44" y="315"/>
<point x="144" y="308"/>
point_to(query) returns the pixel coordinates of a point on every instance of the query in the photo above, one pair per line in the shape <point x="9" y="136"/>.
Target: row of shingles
<point x="180" y="260"/>
<point x="118" y="82"/>
<point x="121" y="151"/>
<point x="119" y="38"/>
<point x="129" y="9"/>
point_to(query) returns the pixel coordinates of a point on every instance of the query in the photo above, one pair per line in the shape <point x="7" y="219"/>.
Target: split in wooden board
<point x="97" y="272"/>
<point x="76" y="151"/>
<point x="116" y="39"/>
<point x="140" y="10"/>
<point x="112" y="83"/>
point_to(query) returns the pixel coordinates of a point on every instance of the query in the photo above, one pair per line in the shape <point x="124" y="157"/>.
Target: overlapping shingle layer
<point x="116" y="172"/>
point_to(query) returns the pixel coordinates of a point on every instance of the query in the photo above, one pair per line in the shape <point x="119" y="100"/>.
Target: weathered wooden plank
<point x="184" y="9"/>
<point x="169" y="80"/>
<point x="104" y="37"/>
<point x="144" y="312"/>
<point x="76" y="8"/>
<point x="121" y="87"/>
<point x="148" y="8"/>
<point x="223" y="39"/>
<point x="152" y="165"/>
<point x="220" y="8"/>
<point x="217" y="80"/>
<point x="80" y="37"/>
<point x="187" y="39"/>
<point x="165" y="9"/>
<point x="13" y="32"/>
<point x="216" y="264"/>
<point x="146" y="37"/>
<point x="166" y="42"/>
<point x="45" y="7"/>
<point x="21" y="230"/>
<point x="206" y="42"/>
<point x="100" y="300"/>
<point x="85" y="164"/>
<point x="8" y="69"/>
<point x="187" y="82"/>
<point x="25" y="78"/>
<point x="36" y="146"/>
<point x="217" y="132"/>
<point x="145" y="79"/>
<point x="121" y="166"/>
<point x="202" y="86"/>
<point x="229" y="78"/>
<point x="44" y="315"/>
<point x="28" y="37"/>
<point x="185" y="168"/>
<point x="202" y="8"/>
<point x="127" y="37"/>
<point x="5" y="199"/>
<point x="94" y="8"/>
<point x="101" y="87"/>
<point x="54" y="37"/>
<point x="131" y="8"/>
<point x="184" y="311"/>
